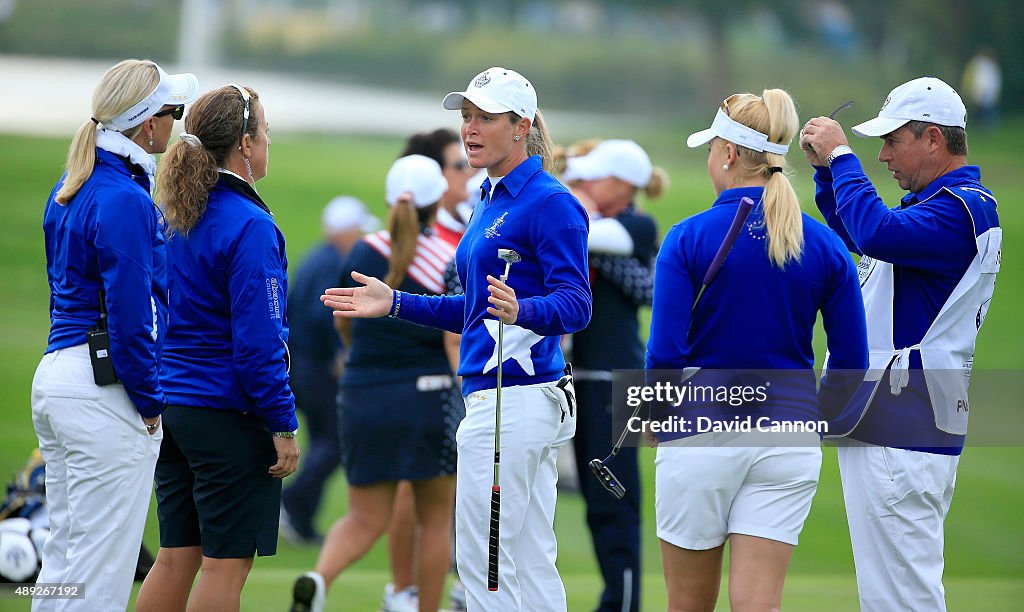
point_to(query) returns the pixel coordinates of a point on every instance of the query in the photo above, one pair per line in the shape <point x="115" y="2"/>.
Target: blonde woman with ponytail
<point x="749" y="488"/>
<point x="230" y="422"/>
<point x="527" y="210"/>
<point x="105" y="261"/>
<point x="392" y="406"/>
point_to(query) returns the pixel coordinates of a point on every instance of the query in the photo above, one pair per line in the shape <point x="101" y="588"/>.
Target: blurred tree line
<point x="638" y="56"/>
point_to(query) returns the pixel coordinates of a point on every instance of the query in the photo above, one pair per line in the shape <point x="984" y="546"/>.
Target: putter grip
<point x="730" y="239"/>
<point x="492" y="539"/>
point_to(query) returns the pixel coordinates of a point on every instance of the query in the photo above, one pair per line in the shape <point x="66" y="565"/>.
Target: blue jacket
<point x="109" y="238"/>
<point x="930" y="244"/>
<point x="226" y="345"/>
<point x="532" y="213"/>
<point x="755" y="316"/>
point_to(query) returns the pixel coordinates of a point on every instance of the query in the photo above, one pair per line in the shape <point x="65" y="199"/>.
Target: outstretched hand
<point x="373" y="299"/>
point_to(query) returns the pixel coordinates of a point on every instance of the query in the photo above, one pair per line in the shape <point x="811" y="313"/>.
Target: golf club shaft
<point x="493" y="535"/>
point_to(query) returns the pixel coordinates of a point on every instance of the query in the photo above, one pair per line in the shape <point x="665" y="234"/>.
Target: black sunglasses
<point x="177" y="112"/>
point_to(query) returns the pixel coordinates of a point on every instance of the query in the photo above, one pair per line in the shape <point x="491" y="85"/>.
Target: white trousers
<point x="99" y="479"/>
<point x="896" y="503"/>
<point x="532" y="429"/>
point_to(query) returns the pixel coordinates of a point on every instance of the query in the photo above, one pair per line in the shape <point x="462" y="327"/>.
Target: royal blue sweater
<point x="108" y="238"/>
<point x="930" y="244"/>
<point x="226" y="344"/>
<point x="532" y="213"/>
<point x="754" y="315"/>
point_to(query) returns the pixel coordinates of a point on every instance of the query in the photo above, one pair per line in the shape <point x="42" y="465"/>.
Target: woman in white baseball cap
<point x="528" y="218"/>
<point x="105" y="255"/>
<point x="755" y="320"/>
<point x="392" y="411"/>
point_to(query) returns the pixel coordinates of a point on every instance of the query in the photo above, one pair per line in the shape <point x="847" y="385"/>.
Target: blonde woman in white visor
<point x="756" y="318"/>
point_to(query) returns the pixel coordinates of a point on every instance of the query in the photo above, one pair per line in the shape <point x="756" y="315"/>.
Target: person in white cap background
<point x="749" y="489"/>
<point x="105" y="261"/>
<point x="927" y="270"/>
<point x="392" y="415"/>
<point x="317" y="357"/>
<point x="445" y="147"/>
<point x="622" y="247"/>
<point x="230" y="424"/>
<point x="525" y="209"/>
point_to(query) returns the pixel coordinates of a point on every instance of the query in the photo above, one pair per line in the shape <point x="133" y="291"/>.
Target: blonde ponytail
<point x="658" y="184"/>
<point x="773" y="114"/>
<point x="404" y="227"/>
<point x="121" y="88"/>
<point x="538" y="141"/>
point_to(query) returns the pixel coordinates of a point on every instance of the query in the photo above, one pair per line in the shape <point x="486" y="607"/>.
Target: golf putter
<point x="493" y="538"/>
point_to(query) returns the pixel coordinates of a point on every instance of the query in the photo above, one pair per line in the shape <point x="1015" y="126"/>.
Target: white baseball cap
<point x="497" y="90"/>
<point x="416" y="177"/>
<point x="622" y="159"/>
<point x="172" y="89"/>
<point x="925" y="99"/>
<point x="344" y="213"/>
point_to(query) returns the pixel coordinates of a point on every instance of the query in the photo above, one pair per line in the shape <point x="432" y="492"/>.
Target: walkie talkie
<point x="99" y="348"/>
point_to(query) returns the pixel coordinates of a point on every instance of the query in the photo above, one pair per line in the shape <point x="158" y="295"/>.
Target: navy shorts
<point x="399" y="430"/>
<point x="212" y="485"/>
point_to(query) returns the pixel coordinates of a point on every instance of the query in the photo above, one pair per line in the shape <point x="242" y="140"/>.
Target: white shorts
<point x="703" y="493"/>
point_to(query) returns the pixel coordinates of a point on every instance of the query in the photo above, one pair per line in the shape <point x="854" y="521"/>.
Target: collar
<point x="119" y="144"/>
<point x="965" y="174"/>
<point x="231" y="181"/>
<point x="734" y="195"/>
<point x="515" y="180"/>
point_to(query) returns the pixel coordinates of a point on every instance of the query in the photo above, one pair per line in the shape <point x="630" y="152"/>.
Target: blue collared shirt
<point x="532" y="213"/>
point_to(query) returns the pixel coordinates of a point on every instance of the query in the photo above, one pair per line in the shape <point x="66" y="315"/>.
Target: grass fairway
<point x="984" y="557"/>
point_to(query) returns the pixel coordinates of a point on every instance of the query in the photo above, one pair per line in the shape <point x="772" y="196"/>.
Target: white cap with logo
<point x="622" y="159"/>
<point x="925" y="99"/>
<point x="416" y="178"/>
<point x="497" y="90"/>
<point x="172" y="89"/>
<point x="345" y="213"/>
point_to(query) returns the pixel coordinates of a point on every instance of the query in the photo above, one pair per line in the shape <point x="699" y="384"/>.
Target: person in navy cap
<point x="927" y="269"/>
<point x="317" y="359"/>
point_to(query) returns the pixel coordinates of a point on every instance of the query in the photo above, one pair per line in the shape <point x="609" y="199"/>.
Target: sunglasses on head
<point x="177" y="112"/>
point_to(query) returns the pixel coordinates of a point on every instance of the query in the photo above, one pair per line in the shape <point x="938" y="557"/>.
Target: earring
<point x="150" y="142"/>
<point x="725" y="167"/>
<point x="517" y="138"/>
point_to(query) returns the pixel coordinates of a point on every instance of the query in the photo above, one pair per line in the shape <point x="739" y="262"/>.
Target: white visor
<point x="736" y="133"/>
<point x="172" y="89"/>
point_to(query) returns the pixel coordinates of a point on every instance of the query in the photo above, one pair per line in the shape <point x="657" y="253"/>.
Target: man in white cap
<point x="927" y="273"/>
<point x="316" y="354"/>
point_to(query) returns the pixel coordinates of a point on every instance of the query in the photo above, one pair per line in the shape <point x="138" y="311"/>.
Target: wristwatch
<point x="284" y="434"/>
<point x="836" y="152"/>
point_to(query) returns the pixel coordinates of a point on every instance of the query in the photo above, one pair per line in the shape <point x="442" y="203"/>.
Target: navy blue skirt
<point x="399" y="430"/>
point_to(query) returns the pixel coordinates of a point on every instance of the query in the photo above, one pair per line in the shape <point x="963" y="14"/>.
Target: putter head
<point x="509" y="256"/>
<point x="607" y="479"/>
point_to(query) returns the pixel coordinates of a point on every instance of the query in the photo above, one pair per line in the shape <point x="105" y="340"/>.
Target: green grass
<point x="984" y="559"/>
